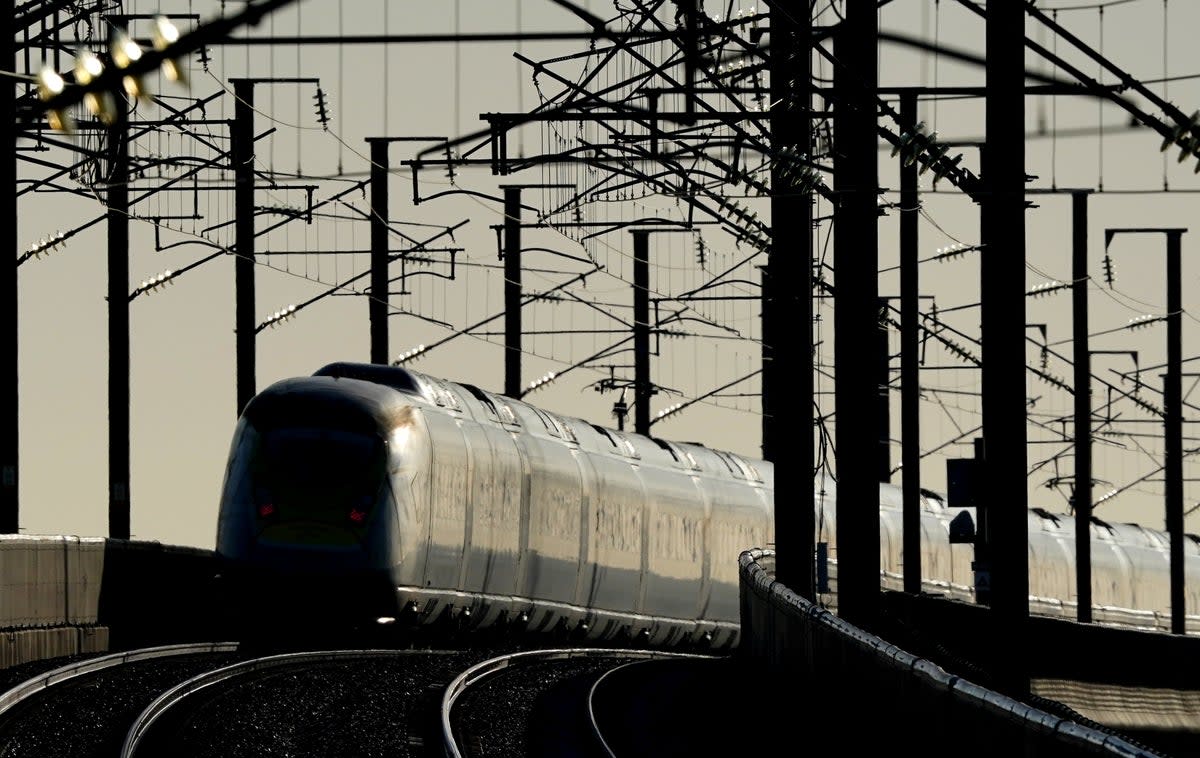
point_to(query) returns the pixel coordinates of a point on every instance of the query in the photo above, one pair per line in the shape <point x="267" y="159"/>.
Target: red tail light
<point x="358" y="516"/>
<point x="265" y="510"/>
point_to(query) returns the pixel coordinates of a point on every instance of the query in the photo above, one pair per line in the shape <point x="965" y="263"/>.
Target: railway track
<point x="335" y="702"/>
<point x="543" y="703"/>
<point x="675" y="707"/>
<point x="219" y="700"/>
<point x="85" y="708"/>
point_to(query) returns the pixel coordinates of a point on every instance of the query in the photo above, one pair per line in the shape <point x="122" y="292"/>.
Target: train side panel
<point x="1149" y="557"/>
<point x="555" y="499"/>
<point x="448" y="479"/>
<point x="406" y="532"/>
<point x="491" y="551"/>
<point x="617" y="528"/>
<point x="1052" y="563"/>
<point x="1110" y="569"/>
<point x="675" y="580"/>
<point x="741" y="517"/>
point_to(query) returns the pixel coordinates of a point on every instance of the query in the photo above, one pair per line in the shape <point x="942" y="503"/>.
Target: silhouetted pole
<point x="10" y="442"/>
<point x="1083" y="408"/>
<point x="378" y="302"/>
<point x="512" y="291"/>
<point x="1173" y="427"/>
<point x="117" y="200"/>
<point x="1172" y="416"/>
<point x="856" y="256"/>
<point x="910" y="388"/>
<point x="243" y="267"/>
<point x="787" y="383"/>
<point x="1002" y="332"/>
<point x="883" y="371"/>
<point x="641" y="332"/>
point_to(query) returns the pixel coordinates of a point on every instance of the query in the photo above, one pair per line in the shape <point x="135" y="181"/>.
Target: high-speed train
<point x="376" y="494"/>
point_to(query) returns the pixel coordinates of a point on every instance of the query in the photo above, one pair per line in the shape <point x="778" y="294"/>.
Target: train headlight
<point x="384" y="620"/>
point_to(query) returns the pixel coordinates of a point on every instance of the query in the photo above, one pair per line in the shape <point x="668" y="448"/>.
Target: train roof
<point x="354" y="404"/>
<point x="463" y="397"/>
<point x="391" y="376"/>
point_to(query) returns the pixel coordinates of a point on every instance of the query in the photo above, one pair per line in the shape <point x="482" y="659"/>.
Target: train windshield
<point x="316" y="484"/>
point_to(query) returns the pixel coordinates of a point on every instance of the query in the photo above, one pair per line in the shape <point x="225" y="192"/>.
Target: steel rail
<point x="485" y="669"/>
<point x="31" y="687"/>
<point x="185" y="689"/>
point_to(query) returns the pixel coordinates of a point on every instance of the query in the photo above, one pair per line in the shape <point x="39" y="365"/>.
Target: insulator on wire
<point x="46" y="245"/>
<point x="1109" y="278"/>
<point x="1139" y="322"/>
<point x="1178" y="133"/>
<point x="322" y="113"/>
<point x="545" y="379"/>
<point x="409" y="355"/>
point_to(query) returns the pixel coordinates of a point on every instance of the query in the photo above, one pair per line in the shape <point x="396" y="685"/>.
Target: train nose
<point x="285" y="587"/>
<point x="317" y="556"/>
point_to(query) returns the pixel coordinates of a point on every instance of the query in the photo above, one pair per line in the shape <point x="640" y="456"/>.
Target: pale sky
<point x="182" y="372"/>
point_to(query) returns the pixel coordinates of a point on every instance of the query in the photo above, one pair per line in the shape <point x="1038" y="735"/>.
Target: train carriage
<point x="369" y="493"/>
<point x="376" y="493"/>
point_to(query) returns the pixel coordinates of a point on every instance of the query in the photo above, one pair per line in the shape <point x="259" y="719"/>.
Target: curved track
<point x="674" y="707"/>
<point x="85" y="708"/>
<point x="533" y="703"/>
<point x="330" y="702"/>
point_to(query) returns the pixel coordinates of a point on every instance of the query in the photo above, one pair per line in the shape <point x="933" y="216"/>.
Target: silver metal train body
<point x="381" y="492"/>
<point x="371" y="492"/>
<point x="1130" y="563"/>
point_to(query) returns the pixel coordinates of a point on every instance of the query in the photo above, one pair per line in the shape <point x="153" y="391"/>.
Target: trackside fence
<point x="838" y="689"/>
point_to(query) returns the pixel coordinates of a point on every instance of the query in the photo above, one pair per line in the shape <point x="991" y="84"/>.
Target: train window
<point x="457" y="396"/>
<point x="751" y="472"/>
<point x="557" y="426"/>
<point x="1045" y="514"/>
<point x="567" y="432"/>
<point x="547" y="422"/>
<point x="506" y="414"/>
<point x="607" y="435"/>
<point x="626" y="446"/>
<point x="734" y="469"/>
<point x="442" y="396"/>
<point x="320" y="476"/>
<point x="612" y="439"/>
<point x="484" y="400"/>
<point x="668" y="447"/>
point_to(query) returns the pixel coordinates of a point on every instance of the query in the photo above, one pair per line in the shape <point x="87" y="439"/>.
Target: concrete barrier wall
<point x="854" y="692"/>
<point x="24" y="645"/>
<point x="49" y="580"/>
<point x="66" y="595"/>
<point x="157" y="594"/>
